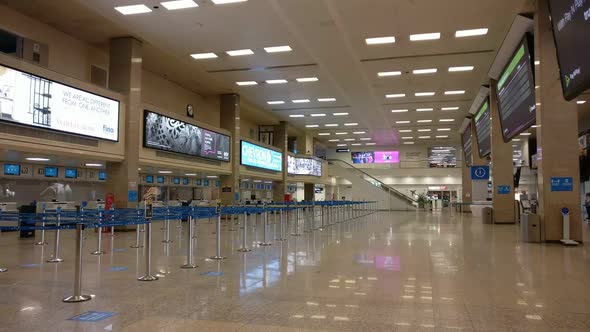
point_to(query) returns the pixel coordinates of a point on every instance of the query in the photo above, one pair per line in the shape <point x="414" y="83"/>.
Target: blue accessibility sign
<point x="480" y="172"/>
<point x="503" y="190"/>
<point x="93" y="316"/>
<point x="562" y="184"/>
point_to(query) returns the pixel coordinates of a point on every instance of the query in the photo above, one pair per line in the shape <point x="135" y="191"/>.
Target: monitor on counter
<point x="51" y="172"/>
<point x="102" y="175"/>
<point x="149" y="179"/>
<point x="483" y="129"/>
<point x="176" y="180"/>
<point x="160" y="179"/>
<point x="71" y="173"/>
<point x="12" y="169"/>
<point x="185" y="181"/>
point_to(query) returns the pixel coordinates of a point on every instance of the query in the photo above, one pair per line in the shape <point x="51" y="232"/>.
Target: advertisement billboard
<point x="375" y="157"/>
<point x="304" y="166"/>
<point x="261" y="157"/>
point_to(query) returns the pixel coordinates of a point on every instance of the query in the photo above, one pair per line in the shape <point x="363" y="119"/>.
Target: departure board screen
<point x="466" y="139"/>
<point x="571" y="28"/>
<point x="483" y="129"/>
<point x="516" y="93"/>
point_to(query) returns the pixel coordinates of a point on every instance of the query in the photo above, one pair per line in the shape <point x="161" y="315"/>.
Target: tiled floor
<point x="400" y="271"/>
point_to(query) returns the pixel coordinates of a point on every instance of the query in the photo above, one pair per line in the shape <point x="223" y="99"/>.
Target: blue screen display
<point x="185" y="181"/>
<point x="149" y="179"/>
<point x="261" y="157"/>
<point x="176" y="180"/>
<point x="11" y="169"/>
<point x="217" y="183"/>
<point x="160" y="179"/>
<point x="206" y="183"/>
<point x="198" y="182"/>
<point x="102" y="175"/>
<point x="51" y="172"/>
<point x="71" y="173"/>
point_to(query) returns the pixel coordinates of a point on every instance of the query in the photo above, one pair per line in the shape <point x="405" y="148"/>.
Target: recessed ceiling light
<point x="245" y="83"/>
<point x="454" y="92"/>
<point x="446" y="120"/>
<point x="277" y="49"/>
<point x="311" y="126"/>
<point x="246" y="51"/>
<point x="405" y="130"/>
<point x="356" y="144"/>
<point x="275" y="102"/>
<point x="276" y="81"/>
<point x="296" y="116"/>
<point x="190" y="174"/>
<point x="349" y="139"/>
<point x="93" y="165"/>
<point x="398" y="111"/>
<point x="580" y="102"/>
<point x="424" y="109"/>
<point x="359" y="132"/>
<point x="425" y="36"/>
<point x="444" y="129"/>
<point x="165" y="172"/>
<point x="442" y="136"/>
<point x="340" y="114"/>
<point x="535" y="126"/>
<point x="389" y="73"/>
<point x="407" y="137"/>
<point x="370" y="143"/>
<point x="200" y="56"/>
<point x="307" y="79"/>
<point x="402" y="122"/>
<point x="450" y="108"/>
<point x="331" y="125"/>
<point x="324" y="134"/>
<point x="342" y="133"/>
<point x="516" y="139"/>
<point x="365" y="139"/>
<point x="325" y="100"/>
<point x="133" y="9"/>
<point x="424" y="71"/>
<point x="461" y="68"/>
<point x="424" y="121"/>
<point x="424" y="137"/>
<point x="408" y="143"/>
<point x="222" y="2"/>
<point x="38" y="159"/>
<point x="341" y="144"/>
<point x="380" y="40"/>
<point x="179" y="4"/>
<point x="300" y="101"/>
<point x="424" y="94"/>
<point x="318" y="114"/>
<point x="334" y="140"/>
<point x="424" y="130"/>
<point x="471" y="32"/>
<point x="525" y="134"/>
<point x="212" y="176"/>
<point x="395" y="95"/>
<point x="351" y="124"/>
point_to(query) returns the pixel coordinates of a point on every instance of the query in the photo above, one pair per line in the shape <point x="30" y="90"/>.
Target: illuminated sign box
<point x="257" y="156"/>
<point x="304" y="166"/>
<point x="375" y="157"/>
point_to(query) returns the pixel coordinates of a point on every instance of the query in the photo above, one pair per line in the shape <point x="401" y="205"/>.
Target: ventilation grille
<point x="47" y="135"/>
<point x="175" y="156"/>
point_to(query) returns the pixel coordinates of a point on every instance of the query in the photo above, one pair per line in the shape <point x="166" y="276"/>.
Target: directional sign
<point x="480" y="172"/>
<point x="562" y="184"/>
<point x="503" y="190"/>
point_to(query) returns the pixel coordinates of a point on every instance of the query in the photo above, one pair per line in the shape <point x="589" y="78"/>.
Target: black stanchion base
<point x="167" y="241"/>
<point x="265" y="244"/>
<point x="244" y="250"/>
<point x="189" y="266"/>
<point x="148" y="278"/>
<point x="40" y="243"/>
<point x="217" y="257"/>
<point x="3" y="270"/>
<point x="55" y="260"/>
<point x="135" y="246"/>
<point x="77" y="298"/>
<point x="96" y="253"/>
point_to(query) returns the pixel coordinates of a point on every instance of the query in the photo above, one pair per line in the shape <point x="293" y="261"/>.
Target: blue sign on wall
<point x="480" y="172"/>
<point x="132" y="195"/>
<point x="562" y="184"/>
<point x="503" y="190"/>
<point x="258" y="156"/>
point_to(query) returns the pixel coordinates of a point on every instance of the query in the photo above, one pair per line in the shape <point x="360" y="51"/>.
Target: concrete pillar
<point x="557" y="134"/>
<point x="281" y="141"/>
<point x="309" y="192"/>
<point x="502" y="167"/>
<point x="125" y="66"/>
<point x="305" y="144"/>
<point x="230" y="120"/>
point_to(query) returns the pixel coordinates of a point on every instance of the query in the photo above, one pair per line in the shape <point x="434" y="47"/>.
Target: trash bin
<point x="530" y="227"/>
<point x="487" y="215"/>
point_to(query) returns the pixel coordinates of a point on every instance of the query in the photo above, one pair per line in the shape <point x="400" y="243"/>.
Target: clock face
<point x="189" y="110"/>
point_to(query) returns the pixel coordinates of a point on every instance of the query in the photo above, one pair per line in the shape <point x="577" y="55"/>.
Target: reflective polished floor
<point x="389" y="271"/>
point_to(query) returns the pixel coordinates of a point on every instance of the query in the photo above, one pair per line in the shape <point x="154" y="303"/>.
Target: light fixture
<point x="331" y="125"/>
<point x="537" y="62"/>
<point x="325" y="100"/>
<point x="312" y="126"/>
<point x="38" y="159"/>
<point x="395" y="95"/>
<point x="190" y="174"/>
<point x="179" y="4"/>
<point x="246" y="83"/>
<point x="380" y="40"/>
<point x="424" y="94"/>
<point x="405" y="130"/>
<point x="365" y="139"/>
<point x="93" y="165"/>
<point x="580" y="102"/>
<point x="424" y="71"/>
<point x="443" y="129"/>
<point x="296" y="116"/>
<point x="442" y="136"/>
<point x="350" y="124"/>
<point x="341" y="144"/>
<point x="300" y="101"/>
<point x="340" y="114"/>
<point x="424" y="130"/>
<point x="307" y="79"/>
<point x="133" y="9"/>
<point x="461" y="68"/>
<point x="275" y="102"/>
<point x="342" y="133"/>
<point x="370" y="143"/>
<point x="424" y="121"/>
<point x="446" y="120"/>
<point x="212" y="176"/>
<point x="407" y="137"/>
<point x="471" y="32"/>
<point x="324" y="134"/>
<point x="424" y="109"/>
<point x="516" y="139"/>
<point x="359" y="132"/>
<point x="246" y="51"/>
<point x="200" y="56"/>
<point x="454" y="108"/>
<point x="165" y="172"/>
<point x="402" y="122"/>
<point x="408" y="143"/>
<point x="424" y="137"/>
<point x="454" y="92"/>
<point x="317" y="115"/>
<point x="425" y="36"/>
<point x="334" y="140"/>
<point x="278" y="49"/>
<point x="525" y="134"/>
<point x="349" y="139"/>
<point x="389" y="73"/>
<point x="276" y="81"/>
<point x="222" y="2"/>
<point x="356" y="144"/>
<point x="398" y="111"/>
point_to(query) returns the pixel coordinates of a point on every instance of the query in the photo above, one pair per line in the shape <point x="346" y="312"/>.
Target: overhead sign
<point x="483" y="129"/>
<point x="503" y="190"/>
<point x="375" y="157"/>
<point x="342" y="150"/>
<point x="31" y="100"/>
<point x="562" y="184"/>
<point x="304" y="166"/>
<point x="480" y="172"/>
<point x="261" y="157"/>
<point x="467" y="148"/>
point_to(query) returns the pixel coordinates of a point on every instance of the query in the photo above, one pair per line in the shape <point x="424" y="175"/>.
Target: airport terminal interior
<point x="294" y="165"/>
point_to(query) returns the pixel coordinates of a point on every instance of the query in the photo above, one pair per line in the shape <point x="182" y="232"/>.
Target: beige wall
<point x="249" y="129"/>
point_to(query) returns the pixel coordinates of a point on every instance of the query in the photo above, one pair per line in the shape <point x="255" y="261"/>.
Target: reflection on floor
<point x="384" y="272"/>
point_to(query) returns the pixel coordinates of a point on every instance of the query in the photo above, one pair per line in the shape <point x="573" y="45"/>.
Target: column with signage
<point x="557" y="134"/>
<point x="502" y="167"/>
<point x="125" y="66"/>
<point x="281" y="141"/>
<point x="474" y="180"/>
<point x="230" y="120"/>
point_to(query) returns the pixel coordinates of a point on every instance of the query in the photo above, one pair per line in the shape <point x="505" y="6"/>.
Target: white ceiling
<point x="328" y="42"/>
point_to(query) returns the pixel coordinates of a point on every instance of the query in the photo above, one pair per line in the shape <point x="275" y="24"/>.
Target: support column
<point x="281" y="141"/>
<point x="474" y="190"/>
<point x="557" y="134"/>
<point x="465" y="184"/>
<point x="305" y="144"/>
<point x="125" y="66"/>
<point x="502" y="167"/>
<point x="230" y="120"/>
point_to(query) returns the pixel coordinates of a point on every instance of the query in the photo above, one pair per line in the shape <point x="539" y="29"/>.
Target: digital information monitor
<point x="466" y="140"/>
<point x="304" y="166"/>
<point x="483" y="129"/>
<point x="261" y="157"/>
<point x="571" y="28"/>
<point x="516" y="93"/>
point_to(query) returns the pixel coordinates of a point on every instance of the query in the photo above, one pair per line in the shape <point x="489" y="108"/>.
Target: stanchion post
<point x="42" y="242"/>
<point x="148" y="243"/>
<point x="296" y="232"/>
<point x="189" y="254"/>
<point x="218" y="253"/>
<point x="78" y="297"/>
<point x="167" y="226"/>
<point x="281" y="237"/>
<point x="98" y="250"/>
<point x="265" y="241"/>
<point x="137" y="231"/>
<point x="56" y="258"/>
<point x="244" y="247"/>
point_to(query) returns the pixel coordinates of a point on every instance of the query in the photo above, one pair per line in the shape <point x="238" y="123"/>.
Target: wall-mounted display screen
<point x="375" y="157"/>
<point x="35" y="101"/>
<point x="261" y="157"/>
<point x="483" y="129"/>
<point x="205" y="183"/>
<point x="198" y="182"/>
<point x="149" y="179"/>
<point x="516" y="93"/>
<point x="71" y="173"/>
<point x="51" y="172"/>
<point x="102" y="175"/>
<point x="304" y="166"/>
<point x="185" y="181"/>
<point x="168" y="134"/>
<point x="12" y="169"/>
<point x="571" y="28"/>
<point x="466" y="140"/>
<point x="442" y="156"/>
<point x="160" y="179"/>
<point x="176" y="180"/>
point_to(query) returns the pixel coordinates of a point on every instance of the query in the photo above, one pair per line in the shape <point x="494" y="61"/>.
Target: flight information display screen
<point x="483" y="129"/>
<point x="516" y="93"/>
<point x="571" y="28"/>
<point x="466" y="139"/>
